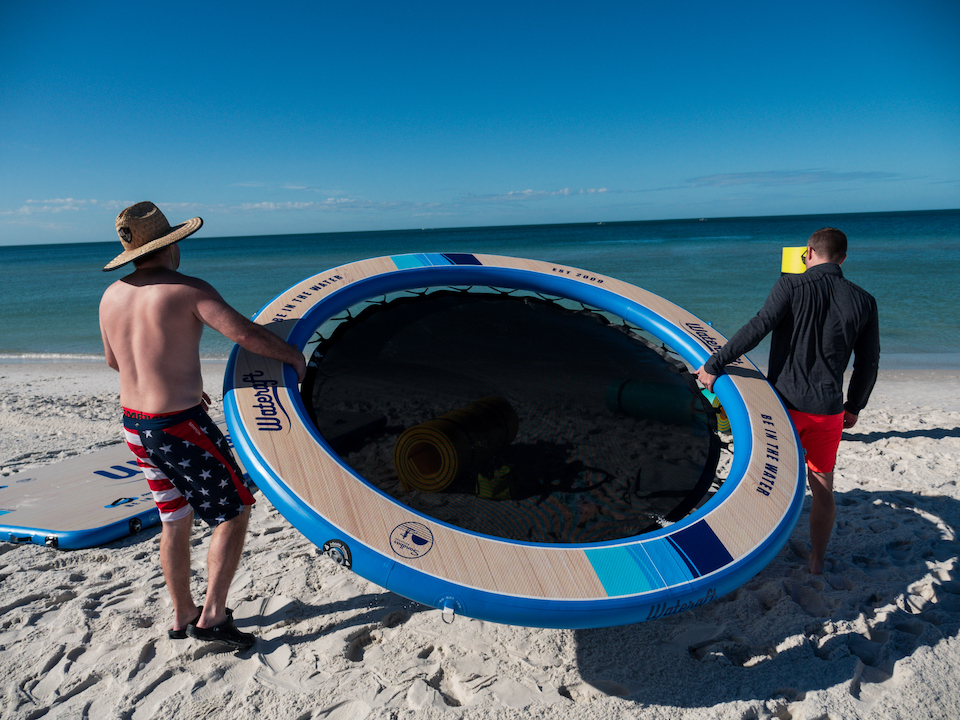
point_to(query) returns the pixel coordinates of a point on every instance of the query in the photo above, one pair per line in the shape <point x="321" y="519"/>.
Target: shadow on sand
<point x="890" y="588"/>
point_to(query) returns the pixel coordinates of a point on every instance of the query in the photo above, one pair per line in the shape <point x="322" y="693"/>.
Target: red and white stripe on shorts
<point x="171" y="504"/>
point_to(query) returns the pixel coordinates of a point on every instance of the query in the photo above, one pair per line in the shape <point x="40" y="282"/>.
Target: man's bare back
<point x="151" y="322"/>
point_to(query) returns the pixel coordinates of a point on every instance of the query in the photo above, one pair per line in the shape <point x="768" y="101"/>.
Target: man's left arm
<point x="214" y="311"/>
<point x="866" y="363"/>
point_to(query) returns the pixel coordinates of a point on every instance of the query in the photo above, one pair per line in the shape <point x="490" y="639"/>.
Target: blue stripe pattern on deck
<point x="663" y="562"/>
<point x="404" y="262"/>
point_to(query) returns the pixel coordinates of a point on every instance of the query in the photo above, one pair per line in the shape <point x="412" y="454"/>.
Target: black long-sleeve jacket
<point x="818" y="318"/>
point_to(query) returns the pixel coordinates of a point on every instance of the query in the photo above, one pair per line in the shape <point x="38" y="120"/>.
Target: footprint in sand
<point x="811" y="600"/>
<point x="395" y="618"/>
<point x="358" y="642"/>
<point x="594" y="690"/>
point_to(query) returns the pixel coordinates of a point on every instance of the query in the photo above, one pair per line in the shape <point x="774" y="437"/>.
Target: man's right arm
<point x="749" y="336"/>
<point x="108" y="353"/>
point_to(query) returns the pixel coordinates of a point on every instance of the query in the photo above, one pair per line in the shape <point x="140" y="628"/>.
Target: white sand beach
<point x="83" y="632"/>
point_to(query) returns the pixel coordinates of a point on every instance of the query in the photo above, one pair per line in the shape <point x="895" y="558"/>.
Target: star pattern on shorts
<point x="197" y="471"/>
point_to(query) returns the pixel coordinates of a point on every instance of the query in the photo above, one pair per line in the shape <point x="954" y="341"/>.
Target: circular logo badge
<point x="411" y="540"/>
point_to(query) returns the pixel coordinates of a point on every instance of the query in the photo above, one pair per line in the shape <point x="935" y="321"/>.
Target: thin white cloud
<point x="514" y="195"/>
<point x="52" y="205"/>
<point x="275" y="206"/>
<point x="291" y="186"/>
<point x="332" y="203"/>
<point x="312" y="189"/>
<point x="787" y="177"/>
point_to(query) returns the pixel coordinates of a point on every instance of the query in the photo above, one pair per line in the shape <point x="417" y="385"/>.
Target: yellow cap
<point x="793" y="260"/>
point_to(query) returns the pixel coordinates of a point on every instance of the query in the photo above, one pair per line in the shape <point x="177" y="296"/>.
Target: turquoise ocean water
<point x="719" y="269"/>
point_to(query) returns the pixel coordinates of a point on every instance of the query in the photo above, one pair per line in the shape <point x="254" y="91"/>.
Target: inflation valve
<point x="339" y="552"/>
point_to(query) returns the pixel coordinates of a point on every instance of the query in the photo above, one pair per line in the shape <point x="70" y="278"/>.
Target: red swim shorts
<point x="820" y="437"/>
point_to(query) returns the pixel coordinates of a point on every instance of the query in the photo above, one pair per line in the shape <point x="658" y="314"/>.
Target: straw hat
<point x="143" y="229"/>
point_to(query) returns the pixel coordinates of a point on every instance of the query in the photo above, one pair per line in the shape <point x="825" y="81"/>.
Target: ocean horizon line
<point x="468" y="228"/>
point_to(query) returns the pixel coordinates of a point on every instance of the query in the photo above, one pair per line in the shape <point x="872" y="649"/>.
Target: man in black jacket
<point x="818" y="319"/>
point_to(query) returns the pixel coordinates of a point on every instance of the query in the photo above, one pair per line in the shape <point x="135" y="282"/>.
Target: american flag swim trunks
<point x="188" y="465"/>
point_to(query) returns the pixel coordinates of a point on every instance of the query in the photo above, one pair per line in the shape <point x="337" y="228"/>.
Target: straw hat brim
<point x="177" y="233"/>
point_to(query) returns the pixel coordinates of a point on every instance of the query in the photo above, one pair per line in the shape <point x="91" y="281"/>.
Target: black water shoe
<point x="182" y="633"/>
<point x="225" y="633"/>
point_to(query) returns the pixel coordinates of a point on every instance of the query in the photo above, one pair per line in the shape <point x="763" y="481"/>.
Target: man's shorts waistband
<point x="159" y="420"/>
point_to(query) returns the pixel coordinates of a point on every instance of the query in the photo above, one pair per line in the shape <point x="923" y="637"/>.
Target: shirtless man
<point x="151" y="322"/>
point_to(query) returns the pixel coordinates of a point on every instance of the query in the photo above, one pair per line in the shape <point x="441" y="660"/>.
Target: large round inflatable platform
<point x="526" y="558"/>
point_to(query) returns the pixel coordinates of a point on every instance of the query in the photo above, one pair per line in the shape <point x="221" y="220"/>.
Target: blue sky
<point x="287" y="117"/>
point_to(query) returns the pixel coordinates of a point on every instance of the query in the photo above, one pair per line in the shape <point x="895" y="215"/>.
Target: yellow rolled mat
<point x="723" y="422"/>
<point x="433" y="455"/>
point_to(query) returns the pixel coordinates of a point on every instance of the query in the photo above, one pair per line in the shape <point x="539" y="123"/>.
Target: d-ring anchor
<point x="449" y="607"/>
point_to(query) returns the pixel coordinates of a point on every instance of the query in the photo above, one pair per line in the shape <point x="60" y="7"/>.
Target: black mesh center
<point x="611" y="438"/>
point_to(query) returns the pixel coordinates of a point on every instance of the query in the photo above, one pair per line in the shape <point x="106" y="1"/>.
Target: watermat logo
<point x="707" y="339"/>
<point x="663" y="609"/>
<point x="270" y="410"/>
